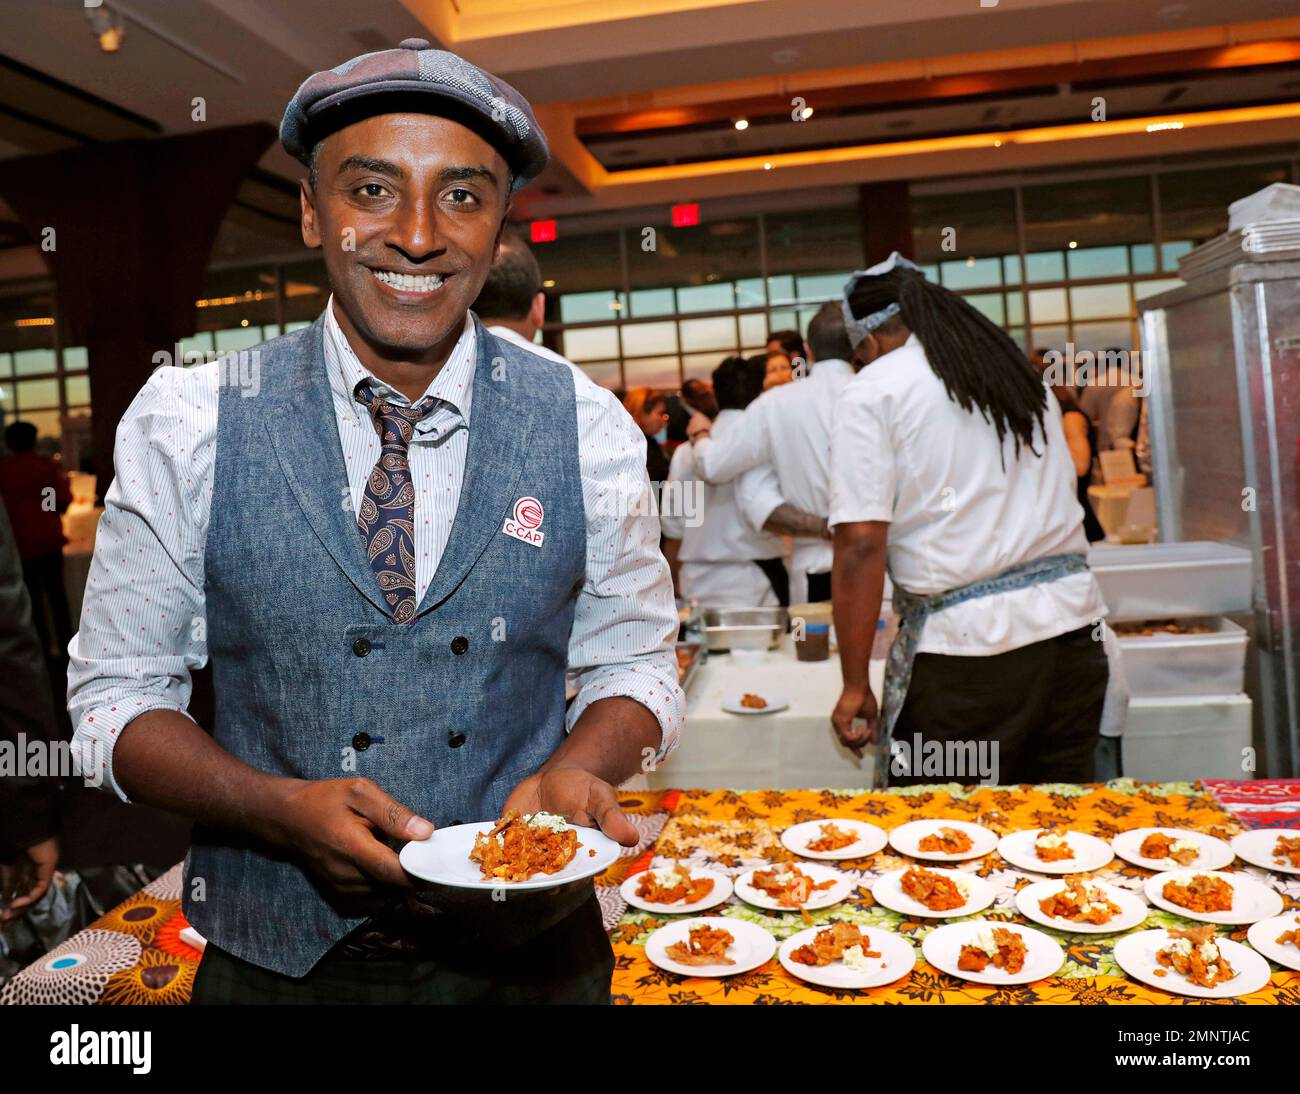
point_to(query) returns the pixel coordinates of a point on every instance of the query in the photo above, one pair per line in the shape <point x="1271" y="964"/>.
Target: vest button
<point x="459" y="644"/>
<point x="361" y="647"/>
<point x="455" y="740"/>
<point x="361" y="741"/>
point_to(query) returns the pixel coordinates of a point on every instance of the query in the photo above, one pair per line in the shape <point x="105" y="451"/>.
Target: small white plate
<point x="888" y="893"/>
<point x="1251" y="900"/>
<point x="942" y="949"/>
<point x="870" y="838"/>
<point x="1214" y="853"/>
<point x="906" y="839"/>
<point x="1133" y="910"/>
<point x="1264" y="937"/>
<point x="719" y="894"/>
<point x="753" y="946"/>
<point x="821" y="898"/>
<point x="1257" y="848"/>
<point x="897" y="957"/>
<point x="1136" y="955"/>
<point x="443" y="859"/>
<point x="1090" y="853"/>
<point x="775" y="702"/>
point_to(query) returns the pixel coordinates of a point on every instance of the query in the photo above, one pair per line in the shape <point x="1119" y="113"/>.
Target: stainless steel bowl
<point x="743" y="628"/>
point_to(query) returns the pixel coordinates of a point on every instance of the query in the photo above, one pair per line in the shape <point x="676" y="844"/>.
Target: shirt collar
<point x="453" y="386"/>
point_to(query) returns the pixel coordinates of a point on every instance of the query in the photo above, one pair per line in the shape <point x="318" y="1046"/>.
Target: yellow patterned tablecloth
<point x="732" y="831"/>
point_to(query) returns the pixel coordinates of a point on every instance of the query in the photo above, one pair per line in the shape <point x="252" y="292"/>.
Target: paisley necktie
<point x="387" y="517"/>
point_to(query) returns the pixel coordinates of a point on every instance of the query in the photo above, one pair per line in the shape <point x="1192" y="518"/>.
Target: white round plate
<point x="821" y="898"/>
<point x="942" y="948"/>
<point x="1215" y="853"/>
<point x="870" y="838"/>
<point x="897" y="957"/>
<point x="1264" y="937"/>
<point x="443" y="859"/>
<point x="1133" y="910"/>
<point x="888" y="893"/>
<point x="775" y="702"/>
<point x="1257" y="848"/>
<point x="1090" y="853"/>
<point x="906" y="839"/>
<point x="753" y="946"/>
<point x="1136" y="955"/>
<point x="719" y="894"/>
<point x="1251" y="900"/>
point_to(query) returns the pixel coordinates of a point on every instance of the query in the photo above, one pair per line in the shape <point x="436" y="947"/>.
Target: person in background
<point x="649" y="411"/>
<point x="1095" y="398"/>
<point x="1082" y="441"/>
<point x="35" y="490"/>
<point x="788" y="428"/>
<point x="788" y="342"/>
<point x="725" y="558"/>
<point x="777" y="370"/>
<point x="1119" y="428"/>
<point x="29" y="842"/>
<point x="949" y="463"/>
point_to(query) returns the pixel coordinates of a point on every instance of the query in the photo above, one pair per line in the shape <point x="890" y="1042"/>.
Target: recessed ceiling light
<point x="1156" y="127"/>
<point x="807" y="112"/>
<point x="549" y="283"/>
<point x="1074" y="244"/>
<point x="741" y="123"/>
<point x="767" y="167"/>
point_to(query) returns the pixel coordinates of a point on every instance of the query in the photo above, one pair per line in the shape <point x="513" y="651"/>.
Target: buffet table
<point x="135" y="953"/>
<point x="788" y="748"/>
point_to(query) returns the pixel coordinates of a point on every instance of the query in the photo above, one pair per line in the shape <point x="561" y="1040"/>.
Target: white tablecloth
<point x="788" y="749"/>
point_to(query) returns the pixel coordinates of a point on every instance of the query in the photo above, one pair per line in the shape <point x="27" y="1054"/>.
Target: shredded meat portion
<point x="1009" y="958"/>
<point x="1202" y="893"/>
<point x="935" y="891"/>
<point x="829" y="945"/>
<point x="1071" y="901"/>
<point x="705" y="946"/>
<point x="685" y="888"/>
<point x="1198" y="967"/>
<point x="514" y="850"/>
<point x="1158" y="845"/>
<point x="832" y="838"/>
<point x="947" y="841"/>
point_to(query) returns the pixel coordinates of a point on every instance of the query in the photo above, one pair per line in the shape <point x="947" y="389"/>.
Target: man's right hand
<point x="334" y="825"/>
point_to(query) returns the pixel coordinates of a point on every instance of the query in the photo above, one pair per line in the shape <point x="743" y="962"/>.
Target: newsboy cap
<point x="413" y="78"/>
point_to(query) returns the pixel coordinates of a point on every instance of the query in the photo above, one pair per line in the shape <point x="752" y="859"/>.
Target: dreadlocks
<point x="980" y="366"/>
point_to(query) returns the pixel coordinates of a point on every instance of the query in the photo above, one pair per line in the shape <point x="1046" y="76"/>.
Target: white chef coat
<point x="902" y="451"/>
<point x="721" y="539"/>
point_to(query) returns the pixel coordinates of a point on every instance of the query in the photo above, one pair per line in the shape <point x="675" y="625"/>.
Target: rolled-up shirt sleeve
<point x="143" y="624"/>
<point x="625" y="620"/>
<point x="863" y="471"/>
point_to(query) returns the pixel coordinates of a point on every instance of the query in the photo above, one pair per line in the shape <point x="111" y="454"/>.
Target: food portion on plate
<point x="1195" y="955"/>
<point x="1158" y="845"/>
<point x="831" y="837"/>
<point x="1052" y="846"/>
<point x="788" y="885"/>
<point x="750" y="701"/>
<point x="997" y="946"/>
<point x="706" y="945"/>
<point x="1080" y="903"/>
<point x="947" y="841"/>
<point x="517" y="847"/>
<point x="1291" y="937"/>
<point x="673" y="885"/>
<point x="1286" y="852"/>
<point x="937" y="892"/>
<point x="839" y="942"/>
<point x="1199" y="893"/>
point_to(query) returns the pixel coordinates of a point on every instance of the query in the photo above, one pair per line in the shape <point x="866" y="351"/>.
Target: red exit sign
<point x="686" y="215"/>
<point x="542" y="231"/>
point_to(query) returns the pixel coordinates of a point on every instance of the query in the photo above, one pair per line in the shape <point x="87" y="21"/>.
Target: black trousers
<point x="570" y="963"/>
<point x="1035" y="712"/>
<point x="44" y="579"/>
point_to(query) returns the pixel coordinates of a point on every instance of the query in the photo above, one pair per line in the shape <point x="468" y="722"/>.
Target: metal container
<point x="690" y="655"/>
<point x="744" y="628"/>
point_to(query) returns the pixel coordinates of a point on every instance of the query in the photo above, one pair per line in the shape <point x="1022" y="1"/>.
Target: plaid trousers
<point x="569" y="963"/>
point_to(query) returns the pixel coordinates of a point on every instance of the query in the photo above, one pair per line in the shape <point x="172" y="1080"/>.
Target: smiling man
<point x="390" y="554"/>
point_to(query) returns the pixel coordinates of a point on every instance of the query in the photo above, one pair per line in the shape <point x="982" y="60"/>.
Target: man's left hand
<point x="579" y="797"/>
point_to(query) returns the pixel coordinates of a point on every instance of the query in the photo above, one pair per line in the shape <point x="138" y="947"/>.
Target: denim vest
<point x="459" y="705"/>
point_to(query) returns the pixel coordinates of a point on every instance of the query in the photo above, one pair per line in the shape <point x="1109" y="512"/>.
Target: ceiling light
<point x="548" y="284"/>
<point x="741" y="123"/>
<point x="1155" y="127"/>
<point x="1074" y="244"/>
<point x="767" y="167"/>
<point x="107" y="26"/>
<point x="807" y="112"/>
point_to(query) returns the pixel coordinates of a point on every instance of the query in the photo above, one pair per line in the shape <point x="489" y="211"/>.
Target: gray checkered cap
<point x="415" y="78"/>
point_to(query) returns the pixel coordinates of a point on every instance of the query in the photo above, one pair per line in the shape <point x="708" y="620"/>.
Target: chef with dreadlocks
<point x="949" y="468"/>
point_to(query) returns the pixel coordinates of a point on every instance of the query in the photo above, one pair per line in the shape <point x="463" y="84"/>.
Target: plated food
<point x="838" y="942"/>
<point x="1290" y="937"/>
<point x="825" y="839"/>
<point x="519" y="847"/>
<point x="932" y="894"/>
<point x="928" y="839"/>
<point x="1278" y="939"/>
<point x="1081" y="906"/>
<point x="1213" y="897"/>
<point x="710" y="946"/>
<point x="754" y="702"/>
<point x="676" y="887"/>
<point x="833" y="958"/>
<point x="1275" y="849"/>
<point x="992" y="953"/>
<point x="1055" y="851"/>
<point x="750" y="701"/>
<point x="1174" y="847"/>
<point x="1173" y="961"/>
<point x="789" y="886"/>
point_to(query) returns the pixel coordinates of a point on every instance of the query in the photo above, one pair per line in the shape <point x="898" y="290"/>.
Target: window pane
<point x="1102" y="336"/>
<point x="652" y="302"/>
<point x="700" y="366"/>
<point x="33" y="362"/>
<point x="37" y="394"/>
<point x="1051" y="336"/>
<point x="589" y="307"/>
<point x="643" y="339"/>
<point x="990" y="303"/>
<point x="75" y="359"/>
<point x="780" y="290"/>
<point x="753" y="330"/>
<point x="605" y="373"/>
<point x="1143" y="289"/>
<point x="717" y="333"/>
<point x="1097" y="262"/>
<point x="1047" y="306"/>
<point x="1099" y="301"/>
<point x="716" y="297"/>
<point x="781" y="320"/>
<point x="1016" y="309"/>
<point x="1170" y="253"/>
<point x="656" y="372"/>
<point x="749" y="293"/>
<point x="1011" y="269"/>
<point x="237" y="338"/>
<point x="1144" y="258"/>
<point x="199" y="348"/>
<point x="6" y="366"/>
<point x="972" y="273"/>
<point x="829" y="286"/>
<point x="951" y="227"/>
<point x="590" y="343"/>
<point x="1045" y="266"/>
<point x="77" y="390"/>
<point x="46" y="423"/>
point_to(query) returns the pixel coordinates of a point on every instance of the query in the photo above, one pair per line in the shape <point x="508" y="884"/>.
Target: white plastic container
<point x="1170" y="665"/>
<point x="1172" y="580"/>
<point x="1185" y="738"/>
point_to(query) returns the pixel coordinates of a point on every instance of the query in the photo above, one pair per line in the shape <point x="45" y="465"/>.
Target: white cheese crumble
<point x="1181" y="946"/>
<point x="1180" y="845"/>
<point x="667" y="877"/>
<point x="984" y="941"/>
<point x="854" y="958"/>
<point x="1050" y="841"/>
<point x="963" y="886"/>
<point x="553" y="821"/>
<point x="785" y="877"/>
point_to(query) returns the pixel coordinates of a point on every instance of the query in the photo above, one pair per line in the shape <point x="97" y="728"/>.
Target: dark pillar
<point x="885" y="213"/>
<point x="134" y="225"/>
